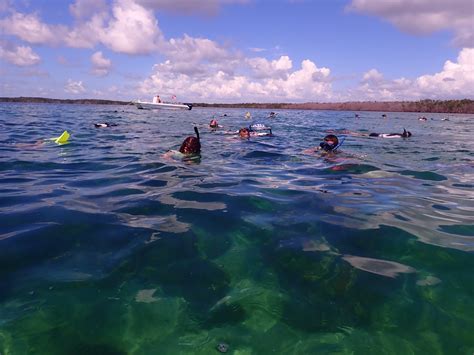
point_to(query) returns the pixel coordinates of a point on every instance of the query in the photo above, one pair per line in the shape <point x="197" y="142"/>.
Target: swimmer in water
<point x="191" y="145"/>
<point x="190" y="148"/>
<point x="405" y="134"/>
<point x="330" y="144"/>
<point x="247" y="132"/>
<point x="104" y="125"/>
<point x="213" y="124"/>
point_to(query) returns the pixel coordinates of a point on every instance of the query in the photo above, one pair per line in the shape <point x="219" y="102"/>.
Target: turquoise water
<point x="106" y="247"/>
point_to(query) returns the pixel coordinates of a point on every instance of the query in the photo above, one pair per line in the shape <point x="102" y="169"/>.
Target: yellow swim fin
<point x="62" y="139"/>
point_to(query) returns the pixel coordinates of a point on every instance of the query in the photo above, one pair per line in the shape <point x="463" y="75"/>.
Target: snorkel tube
<point x="197" y="133"/>
<point x="343" y="138"/>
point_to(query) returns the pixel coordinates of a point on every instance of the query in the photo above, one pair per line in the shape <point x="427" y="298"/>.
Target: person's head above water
<point x="191" y="145"/>
<point x="244" y="132"/>
<point x="213" y="123"/>
<point x="330" y="142"/>
<point x="406" y="133"/>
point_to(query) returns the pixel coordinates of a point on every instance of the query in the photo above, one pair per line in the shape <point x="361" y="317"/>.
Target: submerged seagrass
<point x="108" y="248"/>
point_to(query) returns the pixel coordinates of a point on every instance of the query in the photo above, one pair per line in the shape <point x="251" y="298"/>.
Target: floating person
<point x="255" y="130"/>
<point x="260" y="127"/>
<point x="61" y="140"/>
<point x="422" y="118"/>
<point x="356" y="115"/>
<point x="191" y="145"/>
<point x="248" y="115"/>
<point x="190" y="148"/>
<point x="272" y="115"/>
<point x="445" y="119"/>
<point x="330" y="144"/>
<point x="405" y="134"/>
<point x="384" y="115"/>
<point x="104" y="125"/>
<point x="213" y="124"/>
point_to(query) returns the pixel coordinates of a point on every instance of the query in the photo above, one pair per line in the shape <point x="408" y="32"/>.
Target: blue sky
<point x="238" y="50"/>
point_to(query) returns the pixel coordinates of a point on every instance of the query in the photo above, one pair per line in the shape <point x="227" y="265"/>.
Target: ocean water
<point x="107" y="247"/>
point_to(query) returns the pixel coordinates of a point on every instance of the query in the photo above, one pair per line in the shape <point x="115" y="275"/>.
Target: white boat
<point x="162" y="105"/>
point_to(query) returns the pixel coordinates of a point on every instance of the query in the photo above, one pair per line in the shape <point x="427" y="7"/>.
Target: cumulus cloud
<point x="18" y="55"/>
<point x="100" y="65"/>
<point x="454" y="81"/>
<point x="307" y="82"/>
<point x="129" y="28"/>
<point x="86" y="8"/>
<point x="263" y="68"/>
<point x="207" y="7"/>
<point x="424" y="16"/>
<point x="133" y="29"/>
<point x="373" y="75"/>
<point x="4" y="5"/>
<point x="30" y="29"/>
<point x="74" y="87"/>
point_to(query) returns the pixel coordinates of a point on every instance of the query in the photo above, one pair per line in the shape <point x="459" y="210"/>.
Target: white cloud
<point x="133" y="29"/>
<point x="424" y="16"/>
<point x="372" y="75"/>
<point x="100" y="65"/>
<point x="308" y="82"/>
<point x="18" y="55"/>
<point x="263" y="68"/>
<point x="86" y="8"/>
<point x="130" y="28"/>
<point x="207" y="7"/>
<point x="454" y="81"/>
<point x="4" y="5"/>
<point x="74" y="87"/>
<point x="30" y="29"/>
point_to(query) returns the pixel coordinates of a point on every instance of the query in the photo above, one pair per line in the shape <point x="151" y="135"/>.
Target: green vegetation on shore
<point x="439" y="106"/>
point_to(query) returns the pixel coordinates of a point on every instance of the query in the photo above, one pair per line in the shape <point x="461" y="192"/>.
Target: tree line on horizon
<point x="429" y="106"/>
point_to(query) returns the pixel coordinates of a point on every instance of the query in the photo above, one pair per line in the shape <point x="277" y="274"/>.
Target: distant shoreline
<point x="428" y="106"/>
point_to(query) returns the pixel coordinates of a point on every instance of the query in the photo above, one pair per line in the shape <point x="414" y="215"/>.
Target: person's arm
<point x="311" y="150"/>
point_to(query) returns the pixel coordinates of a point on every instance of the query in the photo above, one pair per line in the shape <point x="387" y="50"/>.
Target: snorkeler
<point x="255" y="130"/>
<point x="190" y="148"/>
<point x="104" y="125"/>
<point x="213" y="124"/>
<point x="191" y="145"/>
<point x="330" y="144"/>
<point x="405" y="134"/>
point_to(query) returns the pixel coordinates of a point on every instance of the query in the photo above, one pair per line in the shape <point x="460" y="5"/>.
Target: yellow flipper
<point x="62" y="139"/>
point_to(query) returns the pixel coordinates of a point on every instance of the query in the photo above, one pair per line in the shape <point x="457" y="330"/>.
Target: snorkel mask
<point x="327" y="146"/>
<point x="330" y="143"/>
<point x="260" y="127"/>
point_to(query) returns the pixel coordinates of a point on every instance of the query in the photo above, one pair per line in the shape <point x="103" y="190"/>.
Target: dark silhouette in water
<point x="405" y="134"/>
<point x="104" y="125"/>
<point x="191" y="145"/>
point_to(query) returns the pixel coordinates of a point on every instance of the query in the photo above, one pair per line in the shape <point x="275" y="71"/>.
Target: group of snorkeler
<point x="191" y="146"/>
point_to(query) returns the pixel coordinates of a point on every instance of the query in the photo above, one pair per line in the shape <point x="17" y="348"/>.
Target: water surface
<point x="106" y="247"/>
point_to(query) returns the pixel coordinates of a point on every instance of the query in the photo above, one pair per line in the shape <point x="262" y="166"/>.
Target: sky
<point x="232" y="51"/>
